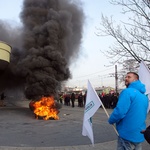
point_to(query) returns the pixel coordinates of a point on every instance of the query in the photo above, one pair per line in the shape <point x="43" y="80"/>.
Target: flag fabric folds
<point x="93" y="102"/>
<point x="144" y="77"/>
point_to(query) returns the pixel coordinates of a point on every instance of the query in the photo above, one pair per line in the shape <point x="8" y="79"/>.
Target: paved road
<point x="20" y="130"/>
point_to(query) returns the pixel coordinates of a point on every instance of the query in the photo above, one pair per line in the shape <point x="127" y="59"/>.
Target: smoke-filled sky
<point x="49" y="40"/>
<point x="84" y="60"/>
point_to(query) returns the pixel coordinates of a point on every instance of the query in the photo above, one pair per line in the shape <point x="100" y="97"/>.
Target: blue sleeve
<point x="122" y="107"/>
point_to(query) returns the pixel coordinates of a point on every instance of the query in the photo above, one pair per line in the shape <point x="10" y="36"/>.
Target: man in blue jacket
<point x="130" y="114"/>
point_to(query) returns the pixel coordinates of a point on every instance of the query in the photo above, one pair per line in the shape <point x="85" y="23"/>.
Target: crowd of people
<point x="109" y="100"/>
<point x="70" y="99"/>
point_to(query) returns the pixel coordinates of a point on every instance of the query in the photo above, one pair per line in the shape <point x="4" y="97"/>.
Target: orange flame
<point x="45" y="108"/>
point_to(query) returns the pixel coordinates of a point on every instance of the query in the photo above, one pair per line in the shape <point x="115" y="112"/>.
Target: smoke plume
<point x="44" y="47"/>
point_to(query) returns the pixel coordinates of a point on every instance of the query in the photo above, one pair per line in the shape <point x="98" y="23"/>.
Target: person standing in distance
<point x="73" y="99"/>
<point x="130" y="114"/>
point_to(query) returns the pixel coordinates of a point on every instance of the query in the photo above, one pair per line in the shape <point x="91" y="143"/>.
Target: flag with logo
<point x="93" y="102"/>
<point x="144" y="77"/>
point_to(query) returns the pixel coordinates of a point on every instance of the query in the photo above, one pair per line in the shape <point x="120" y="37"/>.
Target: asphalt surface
<point x="19" y="130"/>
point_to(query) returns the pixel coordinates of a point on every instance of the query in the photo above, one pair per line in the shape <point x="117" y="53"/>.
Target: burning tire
<point x="45" y="108"/>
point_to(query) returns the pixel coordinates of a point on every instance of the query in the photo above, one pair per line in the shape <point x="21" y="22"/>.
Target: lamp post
<point x="116" y="79"/>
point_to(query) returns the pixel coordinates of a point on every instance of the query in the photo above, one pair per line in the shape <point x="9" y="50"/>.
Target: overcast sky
<point x="91" y="63"/>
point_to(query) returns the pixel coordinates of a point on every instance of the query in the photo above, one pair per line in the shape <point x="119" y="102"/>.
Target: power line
<point x="93" y="73"/>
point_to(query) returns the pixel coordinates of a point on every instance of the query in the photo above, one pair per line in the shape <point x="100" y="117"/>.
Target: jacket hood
<point x="138" y="85"/>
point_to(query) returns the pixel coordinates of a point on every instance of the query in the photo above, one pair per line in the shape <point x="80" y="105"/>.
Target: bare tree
<point x="132" y="37"/>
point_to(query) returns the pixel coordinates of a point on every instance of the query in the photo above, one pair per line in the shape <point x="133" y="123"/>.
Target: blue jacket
<point x="131" y="112"/>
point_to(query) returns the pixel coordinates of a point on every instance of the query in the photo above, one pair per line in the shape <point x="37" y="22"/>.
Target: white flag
<point x="93" y="102"/>
<point x="144" y="77"/>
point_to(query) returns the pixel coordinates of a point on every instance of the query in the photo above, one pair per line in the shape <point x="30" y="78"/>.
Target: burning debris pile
<point x="45" y="108"/>
<point x="43" y="47"/>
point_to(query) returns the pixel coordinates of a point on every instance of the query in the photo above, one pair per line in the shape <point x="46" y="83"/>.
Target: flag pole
<point x="108" y="117"/>
<point x="104" y="109"/>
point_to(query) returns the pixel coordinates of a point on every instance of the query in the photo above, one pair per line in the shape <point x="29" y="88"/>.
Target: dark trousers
<point x="72" y="101"/>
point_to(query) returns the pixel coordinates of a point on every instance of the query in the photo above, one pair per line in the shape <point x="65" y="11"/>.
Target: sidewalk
<point x="101" y="146"/>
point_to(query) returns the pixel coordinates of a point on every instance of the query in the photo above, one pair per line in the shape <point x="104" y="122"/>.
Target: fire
<point x="45" y="108"/>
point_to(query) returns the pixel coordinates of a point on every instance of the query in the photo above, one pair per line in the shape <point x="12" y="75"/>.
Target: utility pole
<point x="116" y="79"/>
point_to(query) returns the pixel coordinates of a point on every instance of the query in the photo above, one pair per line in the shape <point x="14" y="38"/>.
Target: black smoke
<point x="44" y="47"/>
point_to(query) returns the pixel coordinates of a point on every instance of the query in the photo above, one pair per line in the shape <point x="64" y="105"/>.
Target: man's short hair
<point x="137" y="76"/>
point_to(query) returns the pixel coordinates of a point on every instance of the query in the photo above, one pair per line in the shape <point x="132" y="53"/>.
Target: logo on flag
<point x="89" y="106"/>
